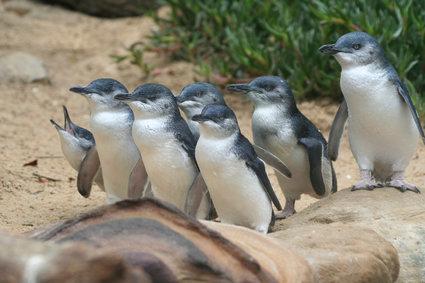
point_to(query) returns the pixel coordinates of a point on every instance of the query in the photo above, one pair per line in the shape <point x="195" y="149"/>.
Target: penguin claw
<point x="285" y="213"/>
<point x="403" y="186"/>
<point x="366" y="185"/>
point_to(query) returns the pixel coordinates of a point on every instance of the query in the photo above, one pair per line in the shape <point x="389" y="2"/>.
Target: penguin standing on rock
<point x="75" y="143"/>
<point x="115" y="151"/>
<point x="383" y="125"/>
<point x="279" y="127"/>
<point x="167" y="147"/>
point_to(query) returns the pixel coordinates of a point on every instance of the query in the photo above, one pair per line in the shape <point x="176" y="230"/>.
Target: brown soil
<point x="76" y="49"/>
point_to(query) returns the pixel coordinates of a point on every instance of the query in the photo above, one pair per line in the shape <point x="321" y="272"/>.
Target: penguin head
<point x="101" y="92"/>
<point x="71" y="133"/>
<point x="265" y="90"/>
<point x="150" y="100"/>
<point x="217" y="120"/>
<point x="355" y="48"/>
<point x="194" y="97"/>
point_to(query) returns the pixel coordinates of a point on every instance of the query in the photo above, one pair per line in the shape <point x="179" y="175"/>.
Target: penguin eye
<point x="198" y="94"/>
<point x="356" y="46"/>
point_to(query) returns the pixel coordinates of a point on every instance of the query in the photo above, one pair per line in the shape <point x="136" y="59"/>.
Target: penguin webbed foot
<point x="287" y="211"/>
<point x="367" y="182"/>
<point x="368" y="185"/>
<point x="403" y="186"/>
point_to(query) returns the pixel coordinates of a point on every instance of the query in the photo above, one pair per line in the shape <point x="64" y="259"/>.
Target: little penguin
<point x="279" y="127"/>
<point x="383" y="125"/>
<point x="75" y="143"/>
<point x="115" y="151"/>
<point x="235" y="176"/>
<point x="167" y="147"/>
<point x="194" y="97"/>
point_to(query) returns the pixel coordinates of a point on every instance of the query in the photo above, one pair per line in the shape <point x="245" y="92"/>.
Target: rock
<point x="23" y="260"/>
<point x="397" y="217"/>
<point x="108" y="8"/>
<point x="343" y="253"/>
<point x="21" y="67"/>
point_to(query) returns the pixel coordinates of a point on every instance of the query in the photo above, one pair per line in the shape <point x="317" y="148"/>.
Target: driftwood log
<point x="171" y="247"/>
<point x="150" y="241"/>
<point x="23" y="260"/>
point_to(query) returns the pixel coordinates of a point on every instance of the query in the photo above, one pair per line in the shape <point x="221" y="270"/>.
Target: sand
<point x="76" y="49"/>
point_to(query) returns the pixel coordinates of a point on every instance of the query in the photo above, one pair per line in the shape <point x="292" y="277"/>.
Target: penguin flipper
<point x="244" y="149"/>
<point x="404" y="93"/>
<point x="99" y="179"/>
<point x="315" y="154"/>
<point x="148" y="193"/>
<point x="334" y="180"/>
<point x="272" y="160"/>
<point x="337" y="130"/>
<point x="260" y="170"/>
<point x="88" y="170"/>
<point x="194" y="197"/>
<point x="137" y="180"/>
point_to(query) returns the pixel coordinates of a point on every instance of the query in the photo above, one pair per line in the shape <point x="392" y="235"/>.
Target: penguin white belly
<point x="284" y="145"/>
<point x="236" y="192"/>
<point x="382" y="133"/>
<point x="117" y="152"/>
<point x="71" y="149"/>
<point x="168" y="165"/>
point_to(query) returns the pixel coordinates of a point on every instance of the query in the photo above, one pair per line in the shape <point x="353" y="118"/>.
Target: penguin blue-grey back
<point x="115" y="151"/>
<point x="279" y="127"/>
<point x="383" y="124"/>
<point x="75" y="142"/>
<point x="167" y="146"/>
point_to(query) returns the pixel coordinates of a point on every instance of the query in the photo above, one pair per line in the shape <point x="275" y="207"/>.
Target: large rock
<point x="169" y="246"/>
<point x="397" y="217"/>
<point x="109" y="8"/>
<point x="21" y="67"/>
<point x="343" y="253"/>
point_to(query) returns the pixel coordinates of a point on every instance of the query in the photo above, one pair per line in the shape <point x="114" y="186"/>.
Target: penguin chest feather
<point x="117" y="152"/>
<point x="380" y="125"/>
<point x="237" y="194"/>
<point x="168" y="165"/>
<point x="72" y="150"/>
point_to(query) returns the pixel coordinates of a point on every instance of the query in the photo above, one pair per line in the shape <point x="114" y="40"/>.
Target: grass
<point x="243" y="39"/>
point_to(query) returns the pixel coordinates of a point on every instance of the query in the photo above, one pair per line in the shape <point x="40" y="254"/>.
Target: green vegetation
<point x="244" y="39"/>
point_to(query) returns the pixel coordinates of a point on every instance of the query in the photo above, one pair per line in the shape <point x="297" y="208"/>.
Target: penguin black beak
<point x="82" y="90"/>
<point x="200" y="118"/>
<point x="56" y="125"/>
<point x="124" y="97"/>
<point x="244" y="88"/>
<point x="329" y="49"/>
<point x="69" y="126"/>
<point x="239" y="88"/>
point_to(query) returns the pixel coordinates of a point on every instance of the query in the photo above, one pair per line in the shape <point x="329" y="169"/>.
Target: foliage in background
<point x="244" y="39"/>
<point x="135" y="54"/>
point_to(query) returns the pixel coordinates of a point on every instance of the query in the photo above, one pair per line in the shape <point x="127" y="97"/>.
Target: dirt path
<point x="76" y="49"/>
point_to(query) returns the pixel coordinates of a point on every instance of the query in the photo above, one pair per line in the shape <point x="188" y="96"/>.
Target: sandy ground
<point x="76" y="49"/>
